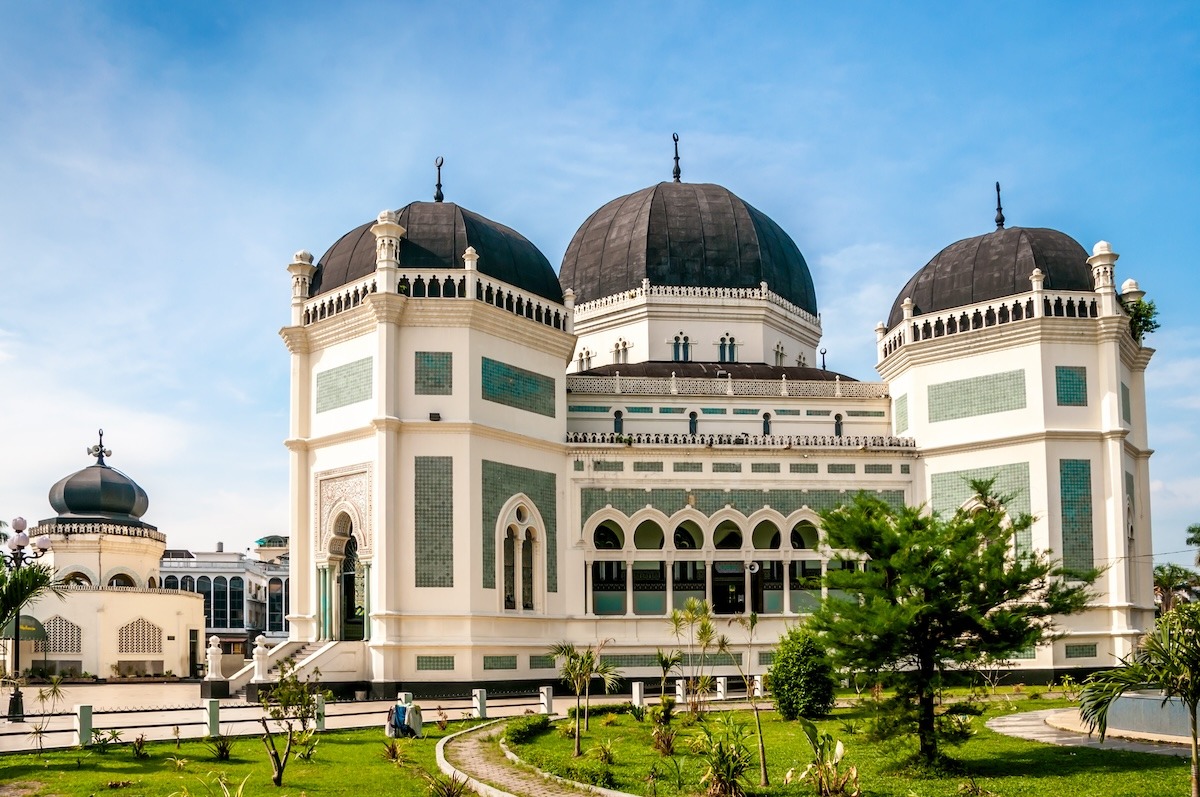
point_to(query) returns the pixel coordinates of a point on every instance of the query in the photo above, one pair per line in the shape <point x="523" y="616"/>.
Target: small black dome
<point x="687" y="235"/>
<point x="992" y="266"/>
<point x="436" y="236"/>
<point x="101" y="493"/>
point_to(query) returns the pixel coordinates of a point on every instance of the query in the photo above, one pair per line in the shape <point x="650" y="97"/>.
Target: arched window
<point x="237" y="601"/>
<point x="151" y="583"/>
<point x="693" y="423"/>
<point x="728" y="350"/>
<point x="527" y="561"/>
<point x="688" y="536"/>
<point x="608" y="538"/>
<point x="780" y="353"/>
<point x="275" y="605"/>
<point x="766" y="536"/>
<point x="121" y="580"/>
<point x="804" y="536"/>
<point x="220" y="602"/>
<point x="618" y="422"/>
<point x="76" y="579"/>
<point x="187" y="583"/>
<point x="287" y="602"/>
<point x="621" y="351"/>
<point x="766" y="423"/>
<point x="681" y="351"/>
<point x="510" y="575"/>
<point x="648" y="536"/>
<point x="204" y="587"/>
<point x="727" y="536"/>
<point x="837" y="425"/>
<point x="171" y="582"/>
<point x="585" y="359"/>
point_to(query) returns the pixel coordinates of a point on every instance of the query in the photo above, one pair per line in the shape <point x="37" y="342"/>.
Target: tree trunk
<point x="578" y="749"/>
<point x="926" y="730"/>
<point x="762" y="748"/>
<point x="1195" y="756"/>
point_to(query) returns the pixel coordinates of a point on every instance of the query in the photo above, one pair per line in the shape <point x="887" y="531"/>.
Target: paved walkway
<point x="1035" y="726"/>
<point x="477" y="754"/>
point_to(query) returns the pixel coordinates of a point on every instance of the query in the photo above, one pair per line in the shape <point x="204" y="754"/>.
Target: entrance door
<point x="353" y="593"/>
<point x="728" y="587"/>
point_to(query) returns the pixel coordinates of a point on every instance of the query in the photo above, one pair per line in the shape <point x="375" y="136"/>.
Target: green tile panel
<point x="744" y="411"/>
<point x="952" y="489"/>
<point x="817" y="413"/>
<point x="578" y="464"/>
<point x="766" y="658"/>
<point x="866" y="414"/>
<point x="1080" y="651"/>
<point x="1126" y="410"/>
<point x="499" y="662"/>
<point x="1024" y="653"/>
<point x="977" y="395"/>
<point x="639" y="409"/>
<point x="906" y="468"/>
<point x="900" y="413"/>
<point x="501" y="482"/>
<point x="1075" y="489"/>
<point x="628" y="500"/>
<point x="787" y="412"/>
<point x="1070" y="385"/>
<point x="671" y="410"/>
<point x="688" y="467"/>
<point x="435" y="662"/>
<point x="516" y="387"/>
<point x="876" y="468"/>
<point x="588" y="408"/>
<point x="433" y="521"/>
<point x="344" y="385"/>
<point x="764" y="467"/>
<point x="541" y="662"/>
<point x="840" y="467"/>
<point x="803" y="467"/>
<point x="712" y="410"/>
<point x="647" y="467"/>
<point x="433" y="373"/>
<point x="727" y="467"/>
<point x="608" y="465"/>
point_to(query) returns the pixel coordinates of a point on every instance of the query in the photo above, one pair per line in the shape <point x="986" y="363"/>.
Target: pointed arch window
<point x="728" y="349"/>
<point x="521" y="560"/>
<point x="681" y="352"/>
<point x="693" y="423"/>
<point x="618" y="422"/>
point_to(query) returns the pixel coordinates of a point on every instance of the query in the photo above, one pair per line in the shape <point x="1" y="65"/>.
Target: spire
<point x="437" y="193"/>
<point x="999" y="210"/>
<point x="676" y="173"/>
<point x="99" y="451"/>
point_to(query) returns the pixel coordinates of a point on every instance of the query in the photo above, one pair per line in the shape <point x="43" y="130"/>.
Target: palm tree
<point x="1169" y="580"/>
<point x="1168" y="659"/>
<point x="748" y="625"/>
<point x="23" y="585"/>
<point x="667" y="662"/>
<point x="1193" y="539"/>
<point x="577" y="670"/>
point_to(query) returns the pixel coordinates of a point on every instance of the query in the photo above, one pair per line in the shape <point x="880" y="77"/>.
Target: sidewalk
<point x="1063" y="727"/>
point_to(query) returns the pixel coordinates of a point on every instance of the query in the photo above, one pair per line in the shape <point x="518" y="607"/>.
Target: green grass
<point x="346" y="762"/>
<point x="1000" y="764"/>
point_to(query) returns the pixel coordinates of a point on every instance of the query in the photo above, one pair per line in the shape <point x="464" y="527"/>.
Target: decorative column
<point x="213" y="654"/>
<point x="260" y="660"/>
<point x="629" y="589"/>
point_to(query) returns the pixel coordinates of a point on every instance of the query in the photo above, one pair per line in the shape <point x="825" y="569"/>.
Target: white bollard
<point x="260" y="661"/>
<point x="212" y="716"/>
<point x="757" y="684"/>
<point x="319" y="712"/>
<point x="680" y="691"/>
<point x="213" y="653"/>
<point x="722" y="687"/>
<point x="639" y="694"/>
<point x="83" y="725"/>
<point x="546" y="699"/>
<point x="479" y="702"/>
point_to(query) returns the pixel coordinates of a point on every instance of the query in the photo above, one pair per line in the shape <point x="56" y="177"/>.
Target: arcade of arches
<point x="736" y="564"/>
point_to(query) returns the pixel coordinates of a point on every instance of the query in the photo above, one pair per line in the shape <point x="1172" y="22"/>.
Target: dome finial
<point x="676" y="173"/>
<point x="437" y="192"/>
<point x="999" y="210"/>
<point x="99" y="451"/>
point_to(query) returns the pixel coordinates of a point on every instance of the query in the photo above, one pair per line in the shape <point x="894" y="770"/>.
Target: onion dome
<point x="436" y="236"/>
<point x="99" y="492"/>
<point x="695" y="235"/>
<point x="993" y="266"/>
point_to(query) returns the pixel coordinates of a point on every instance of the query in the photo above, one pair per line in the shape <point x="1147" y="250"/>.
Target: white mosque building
<point x="487" y="457"/>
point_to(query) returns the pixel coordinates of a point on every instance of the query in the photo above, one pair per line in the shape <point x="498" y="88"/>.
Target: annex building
<point x="487" y="457"/>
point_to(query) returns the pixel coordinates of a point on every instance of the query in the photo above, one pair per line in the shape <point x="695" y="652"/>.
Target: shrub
<point x="524" y="729"/>
<point x="801" y="677"/>
<point x="664" y="740"/>
<point x="604" y="752"/>
<point x="395" y="751"/>
<point x="138" y="746"/>
<point x="825" y="768"/>
<point x="638" y="713"/>
<point x="604" y="709"/>
<point x="592" y="772"/>
<point x="447" y="786"/>
<point x="220" y="746"/>
<point x="721" y="747"/>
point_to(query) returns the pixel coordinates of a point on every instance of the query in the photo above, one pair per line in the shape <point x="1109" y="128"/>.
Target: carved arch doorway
<point x="353" y="593"/>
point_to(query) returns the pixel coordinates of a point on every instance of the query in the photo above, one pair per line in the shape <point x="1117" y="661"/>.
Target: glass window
<point x="237" y="600"/>
<point x="204" y="587"/>
<point x="275" y="605"/>
<point x="171" y="582"/>
<point x="220" y="602"/>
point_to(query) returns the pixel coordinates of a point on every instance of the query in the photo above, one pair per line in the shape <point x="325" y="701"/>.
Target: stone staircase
<point x="298" y="656"/>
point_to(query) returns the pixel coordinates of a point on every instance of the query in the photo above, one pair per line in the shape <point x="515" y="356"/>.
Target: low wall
<point x="1144" y="712"/>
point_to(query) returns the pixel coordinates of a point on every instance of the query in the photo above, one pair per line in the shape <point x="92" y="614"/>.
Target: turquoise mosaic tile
<point x="515" y="387"/>
<point x="876" y="468"/>
<point x="433" y="521"/>
<point x="433" y="373"/>
<point x="744" y="411"/>
<point x="977" y="395"/>
<point x="671" y="410"/>
<point x="435" y="662"/>
<point x="952" y="489"/>
<point x="713" y="410"/>
<point x="817" y="413"/>
<point x="578" y="464"/>
<point x="344" y="385"/>
<point x="1070" y="385"/>
<point x="647" y="467"/>
<point x="727" y="467"/>
<point x="1080" y="651"/>
<point x="608" y="466"/>
<point x="501" y="482"/>
<point x="787" y="412"/>
<point x="900" y="414"/>
<point x="639" y="409"/>
<point x="764" y="467"/>
<point x="539" y="662"/>
<point x="688" y="467"/>
<point x="499" y="662"/>
<point x="1075" y="489"/>
<point x="840" y="467"/>
<point x="1126" y="410"/>
<point x="866" y="413"/>
<point x="628" y="500"/>
<point x="803" y="467"/>
<point x="588" y="408"/>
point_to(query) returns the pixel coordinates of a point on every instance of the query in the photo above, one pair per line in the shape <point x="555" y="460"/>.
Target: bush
<point x="592" y="772"/>
<point x="524" y="729"/>
<point x="801" y="677"/>
<point x="603" y="709"/>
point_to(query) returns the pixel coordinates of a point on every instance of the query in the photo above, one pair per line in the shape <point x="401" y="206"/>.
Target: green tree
<point x="23" y="585"/>
<point x="667" y="662"/>
<point x="801" y="675"/>
<point x="1168" y="659"/>
<point x="693" y="626"/>
<point x="288" y="710"/>
<point x="1193" y="539"/>
<point x="1143" y="318"/>
<point x="1170" y="580"/>
<point x="577" y="668"/>
<point x="937" y="593"/>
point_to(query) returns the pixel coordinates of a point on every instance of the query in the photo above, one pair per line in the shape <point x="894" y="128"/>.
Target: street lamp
<point x="19" y="555"/>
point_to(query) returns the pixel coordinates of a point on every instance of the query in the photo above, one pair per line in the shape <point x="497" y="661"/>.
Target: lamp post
<point x="19" y="555"/>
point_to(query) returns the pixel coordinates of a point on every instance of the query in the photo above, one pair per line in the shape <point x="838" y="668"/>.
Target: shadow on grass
<point x="1048" y="761"/>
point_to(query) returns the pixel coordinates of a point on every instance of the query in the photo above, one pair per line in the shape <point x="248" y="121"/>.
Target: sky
<point x="160" y="163"/>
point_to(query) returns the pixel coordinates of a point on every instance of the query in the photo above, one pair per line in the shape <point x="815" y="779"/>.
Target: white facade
<point x="462" y="496"/>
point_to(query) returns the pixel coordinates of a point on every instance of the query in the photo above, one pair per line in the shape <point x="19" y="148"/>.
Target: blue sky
<point x="160" y="162"/>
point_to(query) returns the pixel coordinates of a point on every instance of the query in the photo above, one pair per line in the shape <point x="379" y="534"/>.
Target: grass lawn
<point x="999" y="764"/>
<point x="346" y="762"/>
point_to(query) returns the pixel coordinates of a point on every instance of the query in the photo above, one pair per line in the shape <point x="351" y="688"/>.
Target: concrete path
<point x="477" y="754"/>
<point x="1035" y="726"/>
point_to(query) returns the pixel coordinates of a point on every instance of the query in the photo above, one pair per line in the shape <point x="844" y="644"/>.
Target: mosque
<point x="487" y="457"/>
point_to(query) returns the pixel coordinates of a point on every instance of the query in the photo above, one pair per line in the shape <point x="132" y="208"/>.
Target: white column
<point x="546" y="699"/>
<point x="83" y="725"/>
<point x="479" y="703"/>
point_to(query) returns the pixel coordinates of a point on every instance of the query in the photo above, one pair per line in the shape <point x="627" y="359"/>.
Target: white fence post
<point x="212" y="716"/>
<point x="83" y="725"/>
<point x="546" y="697"/>
<point x="680" y="691"/>
<point x="319" y="712"/>
<point x="479" y="701"/>
<point x="639" y="694"/>
<point x="757" y="684"/>
<point x="722" y="687"/>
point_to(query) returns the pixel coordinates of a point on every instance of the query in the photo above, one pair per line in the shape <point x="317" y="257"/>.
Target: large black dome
<point x="992" y="266"/>
<point x="687" y="235"/>
<point x="99" y="492"/>
<point x="436" y="235"/>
